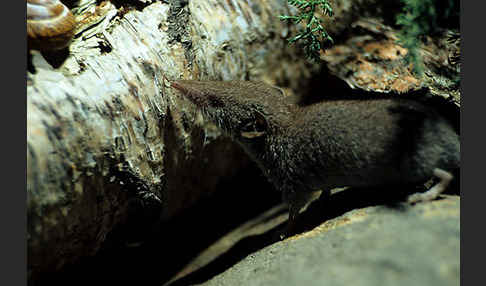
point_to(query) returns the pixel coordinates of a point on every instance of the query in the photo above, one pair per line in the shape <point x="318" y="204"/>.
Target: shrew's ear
<point x="256" y="128"/>
<point x="279" y="90"/>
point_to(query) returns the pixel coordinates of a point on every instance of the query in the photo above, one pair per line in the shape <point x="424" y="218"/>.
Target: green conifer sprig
<point x="417" y="20"/>
<point x="420" y="18"/>
<point x="314" y="36"/>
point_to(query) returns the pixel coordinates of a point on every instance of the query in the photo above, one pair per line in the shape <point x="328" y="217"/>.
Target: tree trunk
<point x="105" y="133"/>
<point x="104" y="130"/>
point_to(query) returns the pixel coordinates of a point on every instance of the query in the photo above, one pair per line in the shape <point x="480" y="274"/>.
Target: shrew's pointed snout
<point x="179" y="87"/>
<point x="189" y="92"/>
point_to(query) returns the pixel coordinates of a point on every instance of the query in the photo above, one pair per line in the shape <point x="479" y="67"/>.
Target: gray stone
<point x="410" y="245"/>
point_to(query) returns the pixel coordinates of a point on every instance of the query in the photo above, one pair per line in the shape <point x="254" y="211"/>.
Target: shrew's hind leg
<point x="296" y="201"/>
<point x="445" y="178"/>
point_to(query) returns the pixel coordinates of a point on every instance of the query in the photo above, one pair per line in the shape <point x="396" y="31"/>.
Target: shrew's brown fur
<point x="333" y="143"/>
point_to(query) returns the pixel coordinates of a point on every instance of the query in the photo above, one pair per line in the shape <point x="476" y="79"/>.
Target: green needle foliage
<point x="420" y="18"/>
<point x="314" y="36"/>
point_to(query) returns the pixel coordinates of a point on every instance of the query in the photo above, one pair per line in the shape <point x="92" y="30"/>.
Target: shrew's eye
<point x="254" y="128"/>
<point x="279" y="90"/>
<point x="214" y="101"/>
<point x="249" y="126"/>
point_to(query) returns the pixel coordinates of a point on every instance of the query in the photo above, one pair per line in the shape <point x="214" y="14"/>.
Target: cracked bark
<point x="103" y="130"/>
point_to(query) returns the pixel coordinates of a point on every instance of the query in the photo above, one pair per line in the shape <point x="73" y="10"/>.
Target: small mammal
<point x="333" y="143"/>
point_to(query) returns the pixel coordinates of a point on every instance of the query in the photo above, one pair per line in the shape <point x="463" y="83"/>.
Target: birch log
<point x="103" y="129"/>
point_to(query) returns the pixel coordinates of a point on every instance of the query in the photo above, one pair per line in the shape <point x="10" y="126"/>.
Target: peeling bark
<point x="103" y="130"/>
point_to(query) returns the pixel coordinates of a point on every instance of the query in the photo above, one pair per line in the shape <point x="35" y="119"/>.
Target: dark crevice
<point x="318" y="212"/>
<point x="130" y="4"/>
<point x="178" y="26"/>
<point x="140" y="254"/>
<point x="30" y="65"/>
<point x="57" y="57"/>
<point x="70" y="3"/>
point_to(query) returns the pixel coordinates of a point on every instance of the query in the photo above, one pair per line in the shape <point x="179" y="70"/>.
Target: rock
<point x="379" y="245"/>
<point x="369" y="58"/>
